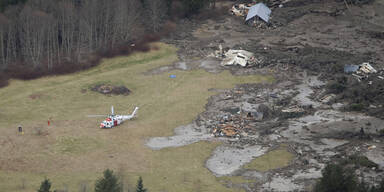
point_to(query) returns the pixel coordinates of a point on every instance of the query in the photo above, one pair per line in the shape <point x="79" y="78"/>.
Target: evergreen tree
<point x="169" y="6"/>
<point x="45" y="186"/>
<point x="336" y="178"/>
<point x="5" y="3"/>
<point x="140" y="186"/>
<point x="193" y="6"/>
<point x="109" y="183"/>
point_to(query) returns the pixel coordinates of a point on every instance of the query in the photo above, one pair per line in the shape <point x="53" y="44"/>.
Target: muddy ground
<point x="306" y="45"/>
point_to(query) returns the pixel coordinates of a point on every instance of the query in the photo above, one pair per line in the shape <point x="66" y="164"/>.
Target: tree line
<point x="5" y="3"/>
<point x="108" y="183"/>
<point x="336" y="177"/>
<point x="42" y="37"/>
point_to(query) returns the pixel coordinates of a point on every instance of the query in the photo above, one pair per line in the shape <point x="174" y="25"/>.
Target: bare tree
<point x="32" y="25"/>
<point x="126" y="20"/>
<point x="156" y="12"/>
<point x="3" y="29"/>
<point x="45" y="35"/>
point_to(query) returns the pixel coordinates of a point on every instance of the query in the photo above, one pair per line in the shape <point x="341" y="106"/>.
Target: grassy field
<point x="73" y="152"/>
<point x="274" y="159"/>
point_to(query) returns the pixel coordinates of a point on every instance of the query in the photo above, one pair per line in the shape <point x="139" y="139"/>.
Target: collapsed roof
<point x="260" y="10"/>
<point x="237" y="57"/>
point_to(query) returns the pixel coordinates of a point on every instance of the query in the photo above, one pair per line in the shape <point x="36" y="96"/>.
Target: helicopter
<point x="113" y="120"/>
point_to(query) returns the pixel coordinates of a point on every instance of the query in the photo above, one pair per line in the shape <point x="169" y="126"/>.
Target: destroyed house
<point x="259" y="10"/>
<point x="351" y="68"/>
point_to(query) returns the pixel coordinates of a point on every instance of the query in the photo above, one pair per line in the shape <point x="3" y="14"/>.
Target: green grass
<point x="75" y="149"/>
<point x="76" y="145"/>
<point x="234" y="180"/>
<point x="274" y="159"/>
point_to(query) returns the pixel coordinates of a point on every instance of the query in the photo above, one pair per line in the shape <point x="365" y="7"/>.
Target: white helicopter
<point x="113" y="120"/>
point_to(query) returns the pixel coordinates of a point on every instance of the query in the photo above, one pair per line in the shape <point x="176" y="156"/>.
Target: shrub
<point x="381" y="132"/>
<point x="356" y="107"/>
<point x="336" y="87"/>
<point x="359" y="160"/>
<point x="359" y="2"/>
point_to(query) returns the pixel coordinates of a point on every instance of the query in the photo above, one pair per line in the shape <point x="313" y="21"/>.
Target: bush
<point x="358" y="160"/>
<point x="356" y="107"/>
<point x="338" y="85"/>
<point x="381" y="132"/>
<point x="359" y="2"/>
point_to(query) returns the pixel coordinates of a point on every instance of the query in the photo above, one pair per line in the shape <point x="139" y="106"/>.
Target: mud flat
<point x="280" y="184"/>
<point x="224" y="160"/>
<point x="305" y="91"/>
<point x="376" y="156"/>
<point x="184" y="135"/>
<point x="227" y="159"/>
<point x="302" y="56"/>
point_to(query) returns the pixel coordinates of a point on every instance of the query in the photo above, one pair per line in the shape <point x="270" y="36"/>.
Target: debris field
<point x="303" y="49"/>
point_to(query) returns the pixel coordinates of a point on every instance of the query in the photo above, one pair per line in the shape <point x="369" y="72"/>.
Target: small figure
<point x="20" y="129"/>
<point x="362" y="133"/>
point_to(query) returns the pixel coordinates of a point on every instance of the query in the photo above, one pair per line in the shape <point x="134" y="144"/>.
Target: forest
<point x="44" y="37"/>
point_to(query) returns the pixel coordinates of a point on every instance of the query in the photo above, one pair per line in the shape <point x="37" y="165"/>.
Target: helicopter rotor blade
<point x="96" y="115"/>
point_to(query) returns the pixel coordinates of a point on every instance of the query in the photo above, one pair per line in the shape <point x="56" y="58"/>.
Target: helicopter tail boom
<point x="134" y="111"/>
<point x="126" y="117"/>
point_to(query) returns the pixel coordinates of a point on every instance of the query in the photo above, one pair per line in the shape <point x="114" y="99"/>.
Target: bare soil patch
<point x="35" y="96"/>
<point x="108" y="89"/>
